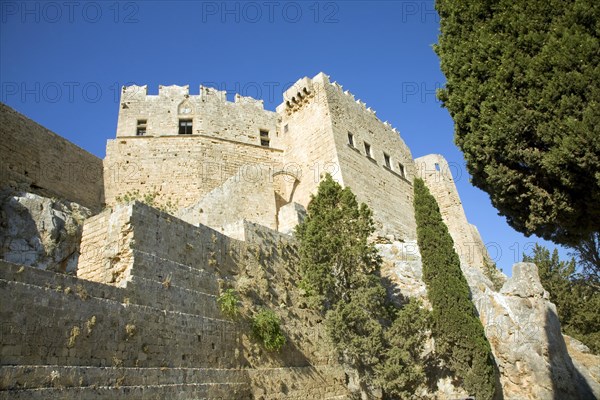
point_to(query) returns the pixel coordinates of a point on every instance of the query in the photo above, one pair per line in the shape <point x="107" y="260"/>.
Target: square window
<point x="141" y="127"/>
<point x="264" y="134"/>
<point x="386" y="159"/>
<point x="185" y="126"/>
<point x="401" y="170"/>
<point x="350" y="139"/>
<point x="264" y="142"/>
<point x="368" y="150"/>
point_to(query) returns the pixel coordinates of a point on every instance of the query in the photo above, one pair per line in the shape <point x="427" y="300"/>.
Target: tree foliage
<point x="587" y="253"/>
<point x="334" y="244"/>
<point x="459" y="336"/>
<point x="339" y="268"/>
<point x="403" y="370"/>
<point x="523" y="88"/>
<point x="577" y="302"/>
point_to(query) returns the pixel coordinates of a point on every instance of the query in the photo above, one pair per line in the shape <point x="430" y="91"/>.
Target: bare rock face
<point x="40" y="232"/>
<point x="403" y="268"/>
<point x="521" y="324"/>
<point x="586" y="363"/>
<point x="523" y="328"/>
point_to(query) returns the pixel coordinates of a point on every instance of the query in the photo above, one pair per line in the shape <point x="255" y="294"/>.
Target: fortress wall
<point x="34" y="159"/>
<point x="113" y="331"/>
<point x="181" y="169"/>
<point x="148" y="339"/>
<point x="386" y="190"/>
<point x="319" y="382"/>
<point x="210" y="111"/>
<point x="308" y="142"/>
<point x="436" y="173"/>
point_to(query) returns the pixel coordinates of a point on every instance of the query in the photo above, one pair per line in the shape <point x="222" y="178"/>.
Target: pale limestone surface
<point x="239" y="197"/>
<point x="520" y="322"/>
<point x="40" y="232"/>
<point x="438" y="176"/>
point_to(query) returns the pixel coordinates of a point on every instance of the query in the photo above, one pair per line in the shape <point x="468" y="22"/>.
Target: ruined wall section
<point x="34" y="159"/>
<point x="105" y="254"/>
<point x="210" y="112"/>
<point x="309" y="147"/>
<point x="437" y="175"/>
<point x="375" y="163"/>
<point x="183" y="168"/>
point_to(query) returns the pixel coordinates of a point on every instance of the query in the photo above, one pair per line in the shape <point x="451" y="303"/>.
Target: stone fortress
<point x="230" y="180"/>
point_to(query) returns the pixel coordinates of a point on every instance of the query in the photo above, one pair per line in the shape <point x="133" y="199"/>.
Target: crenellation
<point x="133" y="92"/>
<point x="209" y="93"/>
<point x="173" y="91"/>
<point x="249" y="100"/>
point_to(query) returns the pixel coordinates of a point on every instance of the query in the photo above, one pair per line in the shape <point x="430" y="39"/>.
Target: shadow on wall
<point x="567" y="382"/>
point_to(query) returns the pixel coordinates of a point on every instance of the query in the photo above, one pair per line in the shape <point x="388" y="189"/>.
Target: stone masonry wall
<point x="436" y="173"/>
<point x="105" y="254"/>
<point x="240" y="197"/>
<point x="317" y="117"/>
<point x="159" y="333"/>
<point x="34" y="159"/>
<point x="309" y="148"/>
<point x="386" y="189"/>
<point x="181" y="169"/>
<point x="308" y="138"/>
<point x="210" y="112"/>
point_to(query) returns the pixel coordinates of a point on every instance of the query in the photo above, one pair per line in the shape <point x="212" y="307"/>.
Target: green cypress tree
<point x="459" y="336"/>
<point x="334" y="248"/>
<point x="339" y="269"/>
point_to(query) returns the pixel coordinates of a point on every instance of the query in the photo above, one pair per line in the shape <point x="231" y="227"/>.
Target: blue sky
<point x="62" y="64"/>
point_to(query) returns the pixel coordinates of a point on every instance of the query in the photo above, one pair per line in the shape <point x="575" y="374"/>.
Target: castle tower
<point x="325" y="129"/>
<point x="181" y="148"/>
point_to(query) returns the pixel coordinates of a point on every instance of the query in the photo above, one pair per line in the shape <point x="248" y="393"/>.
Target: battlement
<point x="305" y="89"/>
<point x="135" y="93"/>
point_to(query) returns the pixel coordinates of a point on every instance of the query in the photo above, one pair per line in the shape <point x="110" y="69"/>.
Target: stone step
<point x="153" y="267"/>
<point x="171" y="297"/>
<point x="140" y="291"/>
<point x="29" y="377"/>
<point x="190" y="391"/>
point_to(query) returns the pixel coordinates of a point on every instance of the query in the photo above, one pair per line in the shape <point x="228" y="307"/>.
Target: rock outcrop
<point x="40" y="232"/>
<point x="521" y="323"/>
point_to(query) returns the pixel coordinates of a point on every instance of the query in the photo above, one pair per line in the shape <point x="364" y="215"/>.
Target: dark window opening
<point x="185" y="126"/>
<point x="141" y="127"/>
<point x="285" y="128"/>
<point x="264" y="134"/>
<point x="350" y="139"/>
<point x="386" y="159"/>
<point x="368" y="149"/>
<point x="264" y="142"/>
<point x="401" y="170"/>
